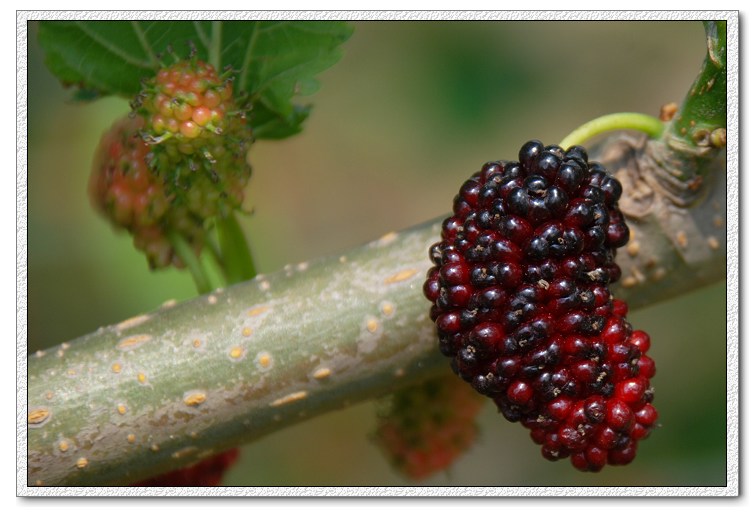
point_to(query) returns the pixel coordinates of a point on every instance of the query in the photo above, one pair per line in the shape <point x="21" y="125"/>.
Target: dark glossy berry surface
<point x="522" y="307"/>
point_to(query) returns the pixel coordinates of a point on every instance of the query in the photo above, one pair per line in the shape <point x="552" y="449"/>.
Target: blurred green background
<point x="411" y="110"/>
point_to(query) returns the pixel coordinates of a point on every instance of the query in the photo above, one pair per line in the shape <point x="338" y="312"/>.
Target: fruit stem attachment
<point x="647" y="124"/>
<point x="237" y="262"/>
<point x="186" y="254"/>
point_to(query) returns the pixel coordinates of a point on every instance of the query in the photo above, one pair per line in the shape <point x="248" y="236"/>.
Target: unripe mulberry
<point x="428" y="426"/>
<point x="132" y="196"/>
<point x="522" y="307"/>
<point x="199" y="137"/>
<point x="121" y="185"/>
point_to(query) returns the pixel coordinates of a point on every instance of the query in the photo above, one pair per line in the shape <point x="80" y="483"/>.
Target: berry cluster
<point x="199" y="137"/>
<point x="522" y="306"/>
<point x="428" y="426"/>
<point x="189" y="99"/>
<point x="124" y="189"/>
<point x="177" y="161"/>
<point x="208" y="472"/>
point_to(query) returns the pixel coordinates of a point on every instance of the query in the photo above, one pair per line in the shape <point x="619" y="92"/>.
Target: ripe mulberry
<point x="523" y="310"/>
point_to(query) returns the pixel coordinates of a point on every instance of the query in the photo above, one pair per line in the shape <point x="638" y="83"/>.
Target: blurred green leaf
<point x="275" y="60"/>
<point x="273" y="126"/>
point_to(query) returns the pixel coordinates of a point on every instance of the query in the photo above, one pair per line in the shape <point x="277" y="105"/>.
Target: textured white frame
<point x="732" y="261"/>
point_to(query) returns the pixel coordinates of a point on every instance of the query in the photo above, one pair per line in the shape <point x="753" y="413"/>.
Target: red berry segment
<point x="124" y="189"/>
<point x="429" y="426"/>
<point x="121" y="185"/>
<point x="208" y="472"/>
<point x="522" y="307"/>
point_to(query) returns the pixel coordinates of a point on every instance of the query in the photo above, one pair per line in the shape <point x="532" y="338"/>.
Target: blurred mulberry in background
<point x="428" y="426"/>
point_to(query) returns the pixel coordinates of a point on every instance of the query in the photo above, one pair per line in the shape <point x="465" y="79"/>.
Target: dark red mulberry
<point x="522" y="306"/>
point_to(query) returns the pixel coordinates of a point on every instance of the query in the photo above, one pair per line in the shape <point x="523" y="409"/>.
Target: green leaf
<point x="274" y="61"/>
<point x="274" y="126"/>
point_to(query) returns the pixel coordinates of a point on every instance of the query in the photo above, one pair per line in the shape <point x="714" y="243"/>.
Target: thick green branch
<point x="165" y="389"/>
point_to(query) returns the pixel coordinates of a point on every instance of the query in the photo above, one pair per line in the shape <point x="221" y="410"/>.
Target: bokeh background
<point x="411" y="110"/>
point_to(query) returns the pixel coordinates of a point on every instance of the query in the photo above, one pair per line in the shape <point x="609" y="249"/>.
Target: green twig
<point x="236" y="260"/>
<point x="613" y="122"/>
<point x="704" y="109"/>
<point x="214" y="248"/>
<point x="186" y="254"/>
<point x="695" y="139"/>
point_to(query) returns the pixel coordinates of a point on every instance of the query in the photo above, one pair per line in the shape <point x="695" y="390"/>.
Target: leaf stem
<point x="216" y="37"/>
<point x="244" y="73"/>
<point x="153" y="61"/>
<point x="198" y="272"/>
<point x="201" y="35"/>
<point x="647" y="124"/>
